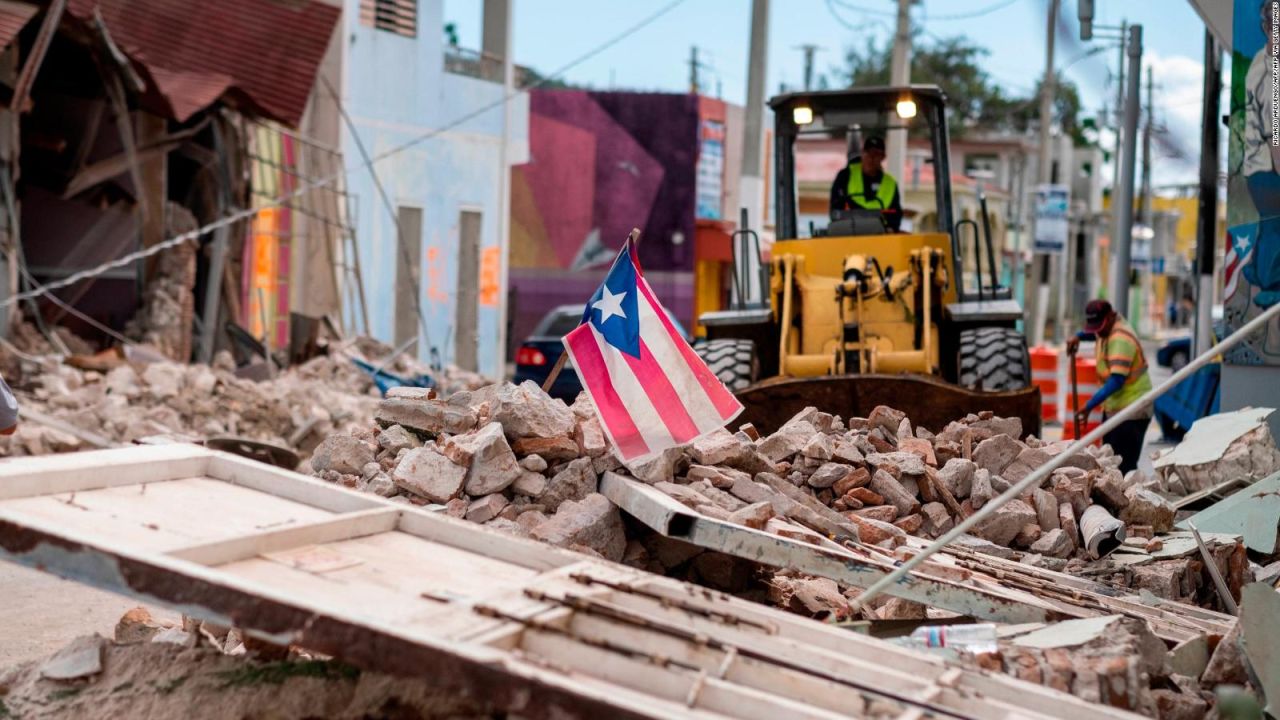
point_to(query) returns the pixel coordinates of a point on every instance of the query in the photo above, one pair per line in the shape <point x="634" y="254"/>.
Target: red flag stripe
<point x="723" y="400"/>
<point x="663" y="394"/>
<point x="614" y="416"/>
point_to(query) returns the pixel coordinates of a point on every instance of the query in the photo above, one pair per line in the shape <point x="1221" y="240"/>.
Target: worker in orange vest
<point x="1121" y="361"/>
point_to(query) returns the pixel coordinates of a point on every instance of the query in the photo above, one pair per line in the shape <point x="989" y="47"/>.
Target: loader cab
<point x="849" y="116"/>
<point x="844" y="312"/>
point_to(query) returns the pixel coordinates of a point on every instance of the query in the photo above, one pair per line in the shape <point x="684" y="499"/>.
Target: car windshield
<point x="561" y="325"/>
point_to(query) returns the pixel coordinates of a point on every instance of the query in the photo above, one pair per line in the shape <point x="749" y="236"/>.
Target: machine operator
<point x="865" y="184"/>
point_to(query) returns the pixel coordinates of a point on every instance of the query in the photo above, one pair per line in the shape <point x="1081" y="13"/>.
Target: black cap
<point x="873" y="142"/>
<point x="1096" y="314"/>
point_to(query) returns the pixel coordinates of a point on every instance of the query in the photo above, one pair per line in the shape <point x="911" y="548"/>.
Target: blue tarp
<point x="385" y="380"/>
<point x="1193" y="398"/>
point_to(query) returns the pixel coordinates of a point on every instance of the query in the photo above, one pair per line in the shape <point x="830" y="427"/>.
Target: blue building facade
<point x="436" y="139"/>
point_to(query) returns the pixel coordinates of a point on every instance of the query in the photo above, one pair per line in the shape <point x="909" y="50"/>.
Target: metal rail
<point x="1036" y="477"/>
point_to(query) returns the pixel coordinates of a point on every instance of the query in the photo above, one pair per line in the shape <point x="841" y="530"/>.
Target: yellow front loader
<point x="847" y="315"/>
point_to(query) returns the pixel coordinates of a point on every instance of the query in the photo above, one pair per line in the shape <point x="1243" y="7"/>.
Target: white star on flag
<point x="609" y="305"/>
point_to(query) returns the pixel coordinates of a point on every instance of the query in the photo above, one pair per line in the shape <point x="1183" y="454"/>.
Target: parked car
<point x="1176" y="353"/>
<point x="539" y="352"/>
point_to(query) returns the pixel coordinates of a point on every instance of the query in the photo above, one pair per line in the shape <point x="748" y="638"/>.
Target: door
<point x="468" y="297"/>
<point x="408" y="277"/>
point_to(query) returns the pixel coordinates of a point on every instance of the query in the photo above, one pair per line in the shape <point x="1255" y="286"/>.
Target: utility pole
<point x="1145" y="215"/>
<point x="497" y="41"/>
<point x="1040" y="277"/>
<point x="751" y="190"/>
<point x="1119" y="123"/>
<point x="1122" y="241"/>
<point x="808" y="49"/>
<point x="1208" y="211"/>
<point x="693" y="69"/>
<point x="1144" y="206"/>
<point x="900" y="75"/>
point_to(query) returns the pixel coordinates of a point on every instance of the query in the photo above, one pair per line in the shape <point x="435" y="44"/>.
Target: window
<point x="397" y="16"/>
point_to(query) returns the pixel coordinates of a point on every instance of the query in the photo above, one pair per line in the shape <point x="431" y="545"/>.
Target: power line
<point x="858" y="8"/>
<point x="235" y="217"/>
<point x="975" y="13"/>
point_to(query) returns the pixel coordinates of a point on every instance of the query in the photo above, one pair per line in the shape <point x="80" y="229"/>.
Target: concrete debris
<point x="123" y="396"/>
<point x="1220" y="447"/>
<point x="79" y="659"/>
<point x="817" y="480"/>
<point x="491" y="465"/>
<point x="813" y="596"/>
<point x="593" y="522"/>
<point x="428" y="474"/>
<point x="1115" y="664"/>
<point x="138" y="626"/>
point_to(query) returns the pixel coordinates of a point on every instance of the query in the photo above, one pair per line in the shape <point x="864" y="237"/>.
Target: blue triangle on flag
<point x="614" y="308"/>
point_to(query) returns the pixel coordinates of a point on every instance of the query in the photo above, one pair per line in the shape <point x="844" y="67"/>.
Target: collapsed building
<point x="134" y="122"/>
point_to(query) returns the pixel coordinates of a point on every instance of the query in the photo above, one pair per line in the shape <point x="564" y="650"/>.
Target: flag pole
<point x="633" y="238"/>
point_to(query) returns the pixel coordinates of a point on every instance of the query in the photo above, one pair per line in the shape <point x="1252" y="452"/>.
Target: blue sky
<point x="553" y="33"/>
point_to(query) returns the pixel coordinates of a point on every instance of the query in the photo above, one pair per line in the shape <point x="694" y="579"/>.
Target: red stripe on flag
<point x="613" y="412"/>
<point x="723" y="400"/>
<point x="662" y="394"/>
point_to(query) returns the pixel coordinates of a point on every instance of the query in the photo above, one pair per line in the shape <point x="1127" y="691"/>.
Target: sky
<point x="550" y="34"/>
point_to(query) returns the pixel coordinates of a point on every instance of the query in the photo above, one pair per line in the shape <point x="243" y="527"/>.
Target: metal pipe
<point x="1036" y="477"/>
<point x="926" y="256"/>
<point x="788" y="264"/>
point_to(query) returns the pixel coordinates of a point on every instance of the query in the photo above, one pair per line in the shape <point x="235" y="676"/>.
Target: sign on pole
<point x="1052" y="204"/>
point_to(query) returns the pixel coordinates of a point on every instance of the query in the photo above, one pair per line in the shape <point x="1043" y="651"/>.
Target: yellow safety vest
<point x="1121" y="352"/>
<point x="888" y="186"/>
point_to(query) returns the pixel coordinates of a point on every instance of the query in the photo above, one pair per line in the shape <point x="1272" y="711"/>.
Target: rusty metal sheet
<point x="522" y="627"/>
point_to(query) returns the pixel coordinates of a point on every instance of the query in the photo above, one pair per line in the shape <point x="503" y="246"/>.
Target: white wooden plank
<point x="748" y="672"/>
<point x="163" y="515"/>
<point x="468" y="536"/>
<point x="851" y="655"/>
<point x="291" y="485"/>
<point x="668" y="682"/>
<point x="72" y="472"/>
<point x="340" y="527"/>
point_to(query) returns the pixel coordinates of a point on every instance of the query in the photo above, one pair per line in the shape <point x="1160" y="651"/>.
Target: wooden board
<point x="536" y="630"/>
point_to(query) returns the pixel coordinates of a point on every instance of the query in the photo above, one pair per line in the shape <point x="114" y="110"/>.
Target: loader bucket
<point x="928" y="401"/>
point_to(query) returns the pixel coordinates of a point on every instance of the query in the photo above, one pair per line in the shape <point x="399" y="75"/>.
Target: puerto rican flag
<point x="650" y="389"/>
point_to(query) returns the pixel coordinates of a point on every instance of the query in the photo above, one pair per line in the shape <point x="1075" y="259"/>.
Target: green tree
<point x="974" y="99"/>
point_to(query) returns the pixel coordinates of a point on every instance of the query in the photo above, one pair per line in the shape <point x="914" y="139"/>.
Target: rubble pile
<point x="521" y="462"/>
<point x="152" y="671"/>
<point x="513" y="457"/>
<point x="1234" y="447"/>
<point x="125" y="400"/>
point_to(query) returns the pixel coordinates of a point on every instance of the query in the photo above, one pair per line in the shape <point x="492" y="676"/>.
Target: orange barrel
<point x="1088" y="384"/>
<point x="1044" y="375"/>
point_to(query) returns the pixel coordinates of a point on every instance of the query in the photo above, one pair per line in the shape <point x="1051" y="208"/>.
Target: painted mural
<point x="1252" y="272"/>
<point x="600" y="164"/>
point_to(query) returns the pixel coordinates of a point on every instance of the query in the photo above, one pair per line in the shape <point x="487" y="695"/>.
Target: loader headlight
<point x="802" y="114"/>
<point x="906" y="108"/>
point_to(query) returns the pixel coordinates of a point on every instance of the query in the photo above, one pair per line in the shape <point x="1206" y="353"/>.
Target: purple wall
<point x="600" y="164"/>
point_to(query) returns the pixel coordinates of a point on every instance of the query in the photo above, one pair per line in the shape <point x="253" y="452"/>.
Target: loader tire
<point x="994" y="358"/>
<point x="733" y="361"/>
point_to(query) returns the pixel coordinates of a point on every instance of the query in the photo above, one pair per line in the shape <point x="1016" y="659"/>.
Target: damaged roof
<point x="13" y="17"/>
<point x="264" y="53"/>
